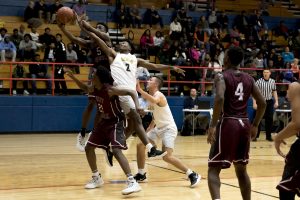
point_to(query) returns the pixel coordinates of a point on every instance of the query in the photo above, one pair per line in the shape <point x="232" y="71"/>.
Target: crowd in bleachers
<point x="203" y="44"/>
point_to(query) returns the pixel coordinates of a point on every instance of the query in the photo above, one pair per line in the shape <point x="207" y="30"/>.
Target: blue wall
<point x="60" y="113"/>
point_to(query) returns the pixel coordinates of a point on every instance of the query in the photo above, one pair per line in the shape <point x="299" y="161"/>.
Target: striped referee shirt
<point x="266" y="87"/>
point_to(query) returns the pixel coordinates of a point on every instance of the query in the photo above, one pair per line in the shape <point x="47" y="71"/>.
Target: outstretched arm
<point x="159" y="67"/>
<point x="148" y="97"/>
<point x="71" y="37"/>
<point x="80" y="84"/>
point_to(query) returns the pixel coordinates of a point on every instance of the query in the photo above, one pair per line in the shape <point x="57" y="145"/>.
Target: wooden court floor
<point x="47" y="166"/>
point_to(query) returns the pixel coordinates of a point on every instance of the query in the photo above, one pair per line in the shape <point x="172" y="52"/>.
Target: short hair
<point x="159" y="81"/>
<point x="28" y="35"/>
<point x="267" y="68"/>
<point x="58" y="34"/>
<point x="47" y="29"/>
<point x="235" y="55"/>
<point x="104" y="75"/>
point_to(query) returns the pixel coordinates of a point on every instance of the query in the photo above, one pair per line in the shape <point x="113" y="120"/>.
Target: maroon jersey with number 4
<point x="239" y="87"/>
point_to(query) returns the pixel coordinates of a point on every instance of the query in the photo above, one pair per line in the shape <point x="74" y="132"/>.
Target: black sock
<point x="82" y="132"/>
<point x="285" y="195"/>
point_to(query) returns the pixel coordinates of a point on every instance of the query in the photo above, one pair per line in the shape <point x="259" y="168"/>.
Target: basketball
<point x="65" y="15"/>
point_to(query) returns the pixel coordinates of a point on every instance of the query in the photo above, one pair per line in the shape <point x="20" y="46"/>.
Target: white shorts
<point x="168" y="135"/>
<point x="126" y="102"/>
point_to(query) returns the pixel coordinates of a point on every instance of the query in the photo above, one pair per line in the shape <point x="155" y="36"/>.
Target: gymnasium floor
<point x="47" y="166"/>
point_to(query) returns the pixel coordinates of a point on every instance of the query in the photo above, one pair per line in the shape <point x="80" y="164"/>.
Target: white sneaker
<point x="132" y="186"/>
<point x="14" y="92"/>
<point x="95" y="182"/>
<point x="26" y="92"/>
<point x="80" y="144"/>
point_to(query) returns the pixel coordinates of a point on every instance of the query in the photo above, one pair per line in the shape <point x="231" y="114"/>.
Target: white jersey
<point x="123" y="70"/>
<point x="163" y="117"/>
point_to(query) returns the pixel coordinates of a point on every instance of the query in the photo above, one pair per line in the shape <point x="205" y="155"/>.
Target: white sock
<point x="217" y="199"/>
<point x="141" y="171"/>
<point x="149" y="146"/>
<point x="95" y="173"/>
<point x="130" y="178"/>
<point x="188" y="172"/>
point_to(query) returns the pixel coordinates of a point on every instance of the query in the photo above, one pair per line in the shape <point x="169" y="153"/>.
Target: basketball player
<point x="230" y="131"/>
<point x="162" y="126"/>
<point x="98" y="59"/>
<point x="110" y="129"/>
<point x="123" y="67"/>
<point x="289" y="186"/>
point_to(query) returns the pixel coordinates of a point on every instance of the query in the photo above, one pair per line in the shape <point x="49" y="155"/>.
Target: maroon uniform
<point x="110" y="130"/>
<point x="291" y="174"/>
<point x="233" y="131"/>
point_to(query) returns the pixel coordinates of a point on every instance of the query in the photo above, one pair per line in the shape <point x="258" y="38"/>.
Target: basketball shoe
<point x="154" y="153"/>
<point x="195" y="179"/>
<point x="140" y="178"/>
<point x="95" y="182"/>
<point x="132" y="186"/>
<point x="80" y="144"/>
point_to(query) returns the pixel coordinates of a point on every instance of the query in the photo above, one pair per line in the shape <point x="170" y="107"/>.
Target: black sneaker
<point x="195" y="179"/>
<point x="154" y="153"/>
<point x="109" y="157"/>
<point x="140" y="178"/>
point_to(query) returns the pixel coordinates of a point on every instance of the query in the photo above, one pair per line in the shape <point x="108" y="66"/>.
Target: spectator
<point x="27" y="48"/>
<point x="281" y="30"/>
<point x="35" y="36"/>
<point x="182" y="16"/>
<point x="222" y="20"/>
<point x="30" y="15"/>
<point x="158" y="40"/>
<point x="60" y="57"/>
<point x="241" y="22"/>
<point x="143" y="75"/>
<point x="203" y="25"/>
<point x="22" y="31"/>
<point x="3" y="34"/>
<point x="72" y="58"/>
<point x="20" y="72"/>
<point x="37" y="70"/>
<point x="151" y="17"/>
<point x="53" y="10"/>
<point x="80" y="10"/>
<point x="16" y="38"/>
<point x="136" y="19"/>
<point x="49" y="53"/>
<point x="146" y="43"/>
<point x="287" y="56"/>
<point x="259" y="63"/>
<point x="8" y="50"/>
<point x="123" y="16"/>
<point x="201" y="121"/>
<point x="47" y="38"/>
<point x="175" y="29"/>
<point x="212" y="20"/>
<point x="41" y="10"/>
<point x="295" y="68"/>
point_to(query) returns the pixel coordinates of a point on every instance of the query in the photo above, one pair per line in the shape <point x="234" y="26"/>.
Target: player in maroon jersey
<point x="109" y="131"/>
<point x="98" y="59"/>
<point x="289" y="186"/>
<point x="230" y="131"/>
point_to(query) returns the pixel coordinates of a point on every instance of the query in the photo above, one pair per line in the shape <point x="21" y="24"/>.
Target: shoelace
<point x="94" y="180"/>
<point x="130" y="184"/>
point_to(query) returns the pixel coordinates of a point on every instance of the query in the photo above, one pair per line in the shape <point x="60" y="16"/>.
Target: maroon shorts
<point x="232" y="143"/>
<point x="108" y="132"/>
<point x="291" y="174"/>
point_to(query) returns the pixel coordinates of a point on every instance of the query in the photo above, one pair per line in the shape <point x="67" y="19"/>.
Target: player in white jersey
<point x="123" y="67"/>
<point x="162" y="126"/>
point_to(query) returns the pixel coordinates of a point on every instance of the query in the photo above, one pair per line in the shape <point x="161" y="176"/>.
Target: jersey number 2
<point x="127" y="67"/>
<point x="239" y="91"/>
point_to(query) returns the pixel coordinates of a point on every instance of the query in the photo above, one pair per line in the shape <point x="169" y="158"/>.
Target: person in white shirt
<point x="163" y="127"/>
<point x="72" y="58"/>
<point x="175" y="29"/>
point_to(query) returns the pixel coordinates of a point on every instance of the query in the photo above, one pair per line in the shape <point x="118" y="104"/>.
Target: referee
<point x="268" y="89"/>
